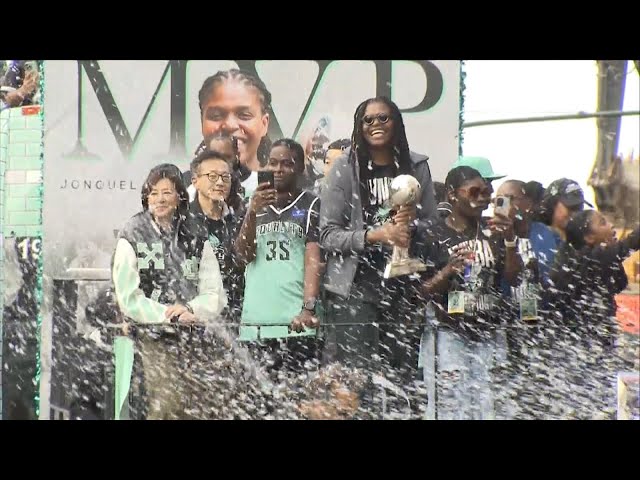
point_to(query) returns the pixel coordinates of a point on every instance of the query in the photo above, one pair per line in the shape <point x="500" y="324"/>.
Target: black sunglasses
<point x="382" y="118"/>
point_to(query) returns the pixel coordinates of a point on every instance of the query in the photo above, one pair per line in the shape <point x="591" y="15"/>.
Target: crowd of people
<point x="18" y="83"/>
<point x="254" y="284"/>
<point x="513" y="316"/>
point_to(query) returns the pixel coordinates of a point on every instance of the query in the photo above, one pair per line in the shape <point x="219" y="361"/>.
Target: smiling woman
<point x="358" y="231"/>
<point x="238" y="103"/>
<point x="166" y="277"/>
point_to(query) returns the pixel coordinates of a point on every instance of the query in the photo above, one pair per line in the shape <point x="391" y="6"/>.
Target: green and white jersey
<point x="275" y="279"/>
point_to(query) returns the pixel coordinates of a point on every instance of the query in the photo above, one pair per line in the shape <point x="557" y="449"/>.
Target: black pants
<point x="388" y="349"/>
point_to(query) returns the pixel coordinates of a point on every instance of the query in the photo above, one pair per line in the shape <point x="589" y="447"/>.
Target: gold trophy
<point x="405" y="189"/>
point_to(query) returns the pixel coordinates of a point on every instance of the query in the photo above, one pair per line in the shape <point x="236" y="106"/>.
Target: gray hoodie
<point x="341" y="220"/>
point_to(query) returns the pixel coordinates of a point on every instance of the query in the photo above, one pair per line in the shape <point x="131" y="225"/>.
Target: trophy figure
<point x="405" y="189"/>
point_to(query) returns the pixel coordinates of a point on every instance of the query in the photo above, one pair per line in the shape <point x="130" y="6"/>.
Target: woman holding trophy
<point x="366" y="236"/>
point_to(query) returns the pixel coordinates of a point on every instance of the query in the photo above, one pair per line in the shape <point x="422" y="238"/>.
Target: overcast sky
<point x="541" y="151"/>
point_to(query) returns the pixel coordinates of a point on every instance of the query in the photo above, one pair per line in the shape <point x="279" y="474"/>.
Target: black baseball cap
<point x="568" y="192"/>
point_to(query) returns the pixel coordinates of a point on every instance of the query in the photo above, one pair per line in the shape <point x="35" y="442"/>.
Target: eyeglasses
<point x="476" y="192"/>
<point x="213" y="177"/>
<point x="382" y="118"/>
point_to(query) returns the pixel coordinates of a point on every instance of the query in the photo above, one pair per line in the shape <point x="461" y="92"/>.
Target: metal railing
<point x="548" y="118"/>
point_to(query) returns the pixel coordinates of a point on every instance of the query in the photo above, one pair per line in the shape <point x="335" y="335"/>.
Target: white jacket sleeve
<point x="126" y="279"/>
<point x="211" y="298"/>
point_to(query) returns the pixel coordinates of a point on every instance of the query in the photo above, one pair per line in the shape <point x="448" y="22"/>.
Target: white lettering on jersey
<point x="380" y="191"/>
<point x="482" y="249"/>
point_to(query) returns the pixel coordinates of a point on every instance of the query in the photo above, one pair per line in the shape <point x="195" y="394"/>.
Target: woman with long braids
<point x="358" y="232"/>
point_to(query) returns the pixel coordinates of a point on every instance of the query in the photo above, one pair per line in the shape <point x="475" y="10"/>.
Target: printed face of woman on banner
<point x="236" y="107"/>
<point x="225" y="146"/>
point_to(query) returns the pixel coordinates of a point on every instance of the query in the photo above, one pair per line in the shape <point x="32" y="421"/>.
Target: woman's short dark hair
<point x="172" y="173"/>
<point x="440" y="192"/>
<point x="296" y="148"/>
<point x="458" y="176"/>
<point x="341" y="144"/>
<point x="578" y="227"/>
<point x="534" y="191"/>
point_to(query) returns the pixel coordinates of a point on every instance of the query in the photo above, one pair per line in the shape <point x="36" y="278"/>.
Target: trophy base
<point x="405" y="267"/>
